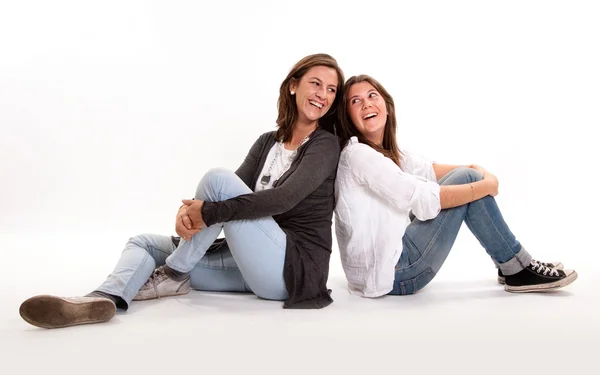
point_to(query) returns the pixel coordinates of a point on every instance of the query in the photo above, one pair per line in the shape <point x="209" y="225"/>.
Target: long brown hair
<point x="286" y="104"/>
<point x="389" y="147"/>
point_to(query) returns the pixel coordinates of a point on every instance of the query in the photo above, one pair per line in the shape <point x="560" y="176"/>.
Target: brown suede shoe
<point x="57" y="312"/>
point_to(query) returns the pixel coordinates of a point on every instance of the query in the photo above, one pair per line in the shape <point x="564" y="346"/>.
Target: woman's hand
<point x="183" y="224"/>
<point x="478" y="168"/>
<point x="194" y="213"/>
<point x="490" y="180"/>
<point x="492" y="183"/>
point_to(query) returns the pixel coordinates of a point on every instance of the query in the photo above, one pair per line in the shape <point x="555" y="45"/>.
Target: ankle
<point x="118" y="301"/>
<point x="174" y="274"/>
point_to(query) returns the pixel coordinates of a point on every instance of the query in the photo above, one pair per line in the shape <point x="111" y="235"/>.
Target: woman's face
<point x="315" y="93"/>
<point x="367" y="110"/>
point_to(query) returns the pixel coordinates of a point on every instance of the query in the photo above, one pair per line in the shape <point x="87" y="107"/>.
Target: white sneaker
<point x="160" y="285"/>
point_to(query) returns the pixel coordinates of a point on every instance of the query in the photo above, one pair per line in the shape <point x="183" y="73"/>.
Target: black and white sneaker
<point x="538" y="278"/>
<point x="557" y="265"/>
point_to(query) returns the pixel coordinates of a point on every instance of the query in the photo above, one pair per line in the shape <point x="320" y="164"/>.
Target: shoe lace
<point x="154" y="278"/>
<point x="549" y="265"/>
<point x="543" y="269"/>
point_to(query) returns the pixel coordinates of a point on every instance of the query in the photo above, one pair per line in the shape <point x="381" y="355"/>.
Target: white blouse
<point x="373" y="200"/>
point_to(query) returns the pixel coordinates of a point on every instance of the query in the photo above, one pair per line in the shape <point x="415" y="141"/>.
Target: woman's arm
<point x="457" y="195"/>
<point x="441" y="170"/>
<point x="317" y="164"/>
<point x="401" y="190"/>
<point x="405" y="191"/>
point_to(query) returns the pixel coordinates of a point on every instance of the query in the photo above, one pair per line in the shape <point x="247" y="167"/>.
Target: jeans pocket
<point x="411" y="286"/>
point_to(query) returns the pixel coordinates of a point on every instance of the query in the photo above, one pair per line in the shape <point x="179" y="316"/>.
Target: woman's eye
<point x="372" y="95"/>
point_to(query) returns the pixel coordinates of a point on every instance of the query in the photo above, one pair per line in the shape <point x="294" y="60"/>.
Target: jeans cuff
<point x="516" y="264"/>
<point x="176" y="267"/>
<point x="124" y="296"/>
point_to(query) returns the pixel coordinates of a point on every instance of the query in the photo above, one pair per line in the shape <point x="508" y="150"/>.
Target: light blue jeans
<point x="252" y="262"/>
<point x="426" y="244"/>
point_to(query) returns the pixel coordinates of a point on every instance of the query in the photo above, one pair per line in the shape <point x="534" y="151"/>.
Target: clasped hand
<point x="189" y="219"/>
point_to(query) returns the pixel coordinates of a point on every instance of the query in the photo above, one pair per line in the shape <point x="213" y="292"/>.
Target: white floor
<point x="462" y="322"/>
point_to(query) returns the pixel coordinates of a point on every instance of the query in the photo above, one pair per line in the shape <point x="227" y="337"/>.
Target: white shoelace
<point x="549" y="265"/>
<point x="158" y="275"/>
<point x="542" y="269"/>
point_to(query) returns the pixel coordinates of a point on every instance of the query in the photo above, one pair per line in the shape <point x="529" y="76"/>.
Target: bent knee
<point x="143" y="241"/>
<point x="466" y="175"/>
<point x="212" y="181"/>
<point x="140" y="240"/>
<point x="217" y="173"/>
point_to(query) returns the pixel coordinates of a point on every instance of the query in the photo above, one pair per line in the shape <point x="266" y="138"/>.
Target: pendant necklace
<point x="266" y="178"/>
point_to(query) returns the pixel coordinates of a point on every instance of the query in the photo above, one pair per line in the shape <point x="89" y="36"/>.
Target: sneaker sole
<point x="56" y="312"/>
<point x="184" y="289"/>
<point x="542" y="287"/>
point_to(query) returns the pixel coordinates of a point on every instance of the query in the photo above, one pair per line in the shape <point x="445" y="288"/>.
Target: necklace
<point x="266" y="178"/>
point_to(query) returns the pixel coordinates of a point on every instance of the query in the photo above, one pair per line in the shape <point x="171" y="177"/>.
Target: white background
<point x="110" y="112"/>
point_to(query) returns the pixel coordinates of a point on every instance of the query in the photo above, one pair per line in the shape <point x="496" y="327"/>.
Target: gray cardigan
<point x="302" y="203"/>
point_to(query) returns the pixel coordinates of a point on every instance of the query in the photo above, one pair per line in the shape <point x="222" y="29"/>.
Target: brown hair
<point x="389" y="147"/>
<point x="286" y="104"/>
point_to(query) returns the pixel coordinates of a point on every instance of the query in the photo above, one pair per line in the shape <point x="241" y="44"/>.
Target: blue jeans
<point x="426" y="244"/>
<point x="252" y="262"/>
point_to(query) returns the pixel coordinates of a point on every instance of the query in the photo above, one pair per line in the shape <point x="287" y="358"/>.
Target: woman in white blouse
<point x="377" y="189"/>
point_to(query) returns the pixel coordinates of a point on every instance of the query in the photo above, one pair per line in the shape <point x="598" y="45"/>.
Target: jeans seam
<point x="218" y="268"/>
<point x="126" y="288"/>
<point x="252" y="220"/>
<point x="158" y="249"/>
<point x="413" y="281"/>
<point x="429" y="245"/>
<point x="229" y="196"/>
<point x="494" y="226"/>
<point x="268" y="235"/>
<point x="519" y="259"/>
<point x="147" y="255"/>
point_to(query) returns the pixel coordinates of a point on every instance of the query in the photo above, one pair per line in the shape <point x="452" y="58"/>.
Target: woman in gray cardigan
<point x="275" y="211"/>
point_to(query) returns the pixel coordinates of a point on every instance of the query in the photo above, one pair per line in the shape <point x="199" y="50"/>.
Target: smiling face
<point x="367" y="110"/>
<point x="315" y="93"/>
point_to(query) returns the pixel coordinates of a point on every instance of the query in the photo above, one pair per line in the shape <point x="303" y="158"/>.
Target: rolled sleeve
<point x="404" y="191"/>
<point x="425" y="202"/>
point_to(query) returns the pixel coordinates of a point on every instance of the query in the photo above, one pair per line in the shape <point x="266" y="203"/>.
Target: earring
<point x="292" y="92"/>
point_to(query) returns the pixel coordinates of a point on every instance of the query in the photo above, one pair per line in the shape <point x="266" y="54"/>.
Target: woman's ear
<point x="293" y="86"/>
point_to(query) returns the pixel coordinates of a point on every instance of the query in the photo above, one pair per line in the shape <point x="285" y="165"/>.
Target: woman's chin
<point x="371" y="130"/>
<point x="312" y="117"/>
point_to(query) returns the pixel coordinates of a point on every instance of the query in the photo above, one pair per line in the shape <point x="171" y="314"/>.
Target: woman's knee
<point x="463" y="175"/>
<point x="152" y="242"/>
<point x="141" y="240"/>
<point x="212" y="182"/>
